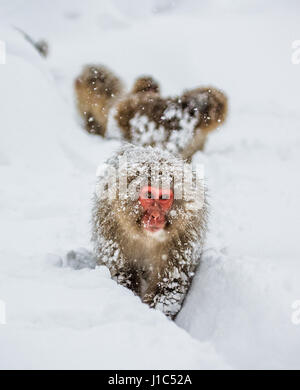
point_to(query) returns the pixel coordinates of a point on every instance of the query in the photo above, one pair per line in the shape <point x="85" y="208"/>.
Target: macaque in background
<point x="143" y="117"/>
<point x="150" y="239"/>
<point x="179" y="124"/>
<point x="97" y="90"/>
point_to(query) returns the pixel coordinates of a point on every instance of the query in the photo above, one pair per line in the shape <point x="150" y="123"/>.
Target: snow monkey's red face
<point x="156" y="203"/>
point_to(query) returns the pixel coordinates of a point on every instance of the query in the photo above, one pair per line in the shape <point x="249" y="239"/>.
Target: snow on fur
<point x="179" y="259"/>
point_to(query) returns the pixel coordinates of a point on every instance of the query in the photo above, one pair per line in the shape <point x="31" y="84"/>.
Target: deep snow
<point x="238" y="312"/>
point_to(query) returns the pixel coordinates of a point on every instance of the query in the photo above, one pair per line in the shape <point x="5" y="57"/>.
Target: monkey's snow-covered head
<point x="144" y="193"/>
<point x="98" y="80"/>
<point x="145" y="84"/>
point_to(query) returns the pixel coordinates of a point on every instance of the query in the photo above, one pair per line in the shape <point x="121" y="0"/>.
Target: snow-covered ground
<point x="238" y="312"/>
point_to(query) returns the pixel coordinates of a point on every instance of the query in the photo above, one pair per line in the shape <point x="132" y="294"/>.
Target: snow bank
<point x="244" y="306"/>
<point x="59" y="317"/>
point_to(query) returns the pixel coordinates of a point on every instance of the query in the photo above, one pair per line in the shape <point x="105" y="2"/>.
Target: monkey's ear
<point x="209" y="104"/>
<point x="145" y="84"/>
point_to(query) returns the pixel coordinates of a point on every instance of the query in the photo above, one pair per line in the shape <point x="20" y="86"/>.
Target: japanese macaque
<point x="97" y="90"/>
<point x="180" y="125"/>
<point x="143" y="117"/>
<point x="150" y="236"/>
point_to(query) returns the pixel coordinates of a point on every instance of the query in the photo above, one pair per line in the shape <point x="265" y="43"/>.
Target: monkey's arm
<point x="128" y="277"/>
<point x="166" y="293"/>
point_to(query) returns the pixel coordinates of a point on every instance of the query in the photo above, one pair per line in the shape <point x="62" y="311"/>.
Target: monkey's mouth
<point x="153" y="229"/>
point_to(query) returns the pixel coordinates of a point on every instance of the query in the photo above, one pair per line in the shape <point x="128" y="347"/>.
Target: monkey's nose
<point x="155" y="214"/>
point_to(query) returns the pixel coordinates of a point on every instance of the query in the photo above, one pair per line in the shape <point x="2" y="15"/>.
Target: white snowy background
<point x="238" y="312"/>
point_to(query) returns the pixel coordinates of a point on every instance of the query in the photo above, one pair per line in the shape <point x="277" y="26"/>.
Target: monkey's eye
<point x="146" y="195"/>
<point x="166" y="199"/>
<point x="149" y="192"/>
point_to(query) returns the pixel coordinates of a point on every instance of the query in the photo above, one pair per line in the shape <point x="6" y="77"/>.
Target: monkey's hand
<point x="128" y="278"/>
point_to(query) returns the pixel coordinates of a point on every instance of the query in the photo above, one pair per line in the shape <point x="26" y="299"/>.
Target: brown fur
<point x="208" y="104"/>
<point x="134" y="256"/>
<point x="145" y="84"/>
<point x="212" y="106"/>
<point x="97" y="90"/>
